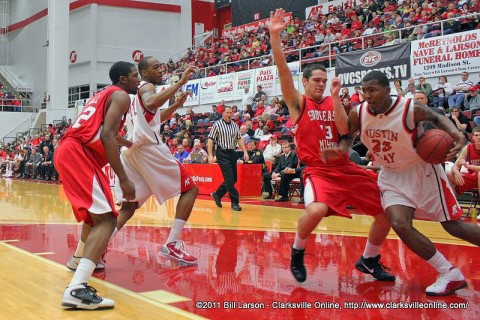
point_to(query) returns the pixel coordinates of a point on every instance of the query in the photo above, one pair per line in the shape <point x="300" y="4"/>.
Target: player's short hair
<point x="120" y="68"/>
<point x="309" y="68"/>
<point x="476" y="129"/>
<point x="143" y="64"/>
<point x="377" y="76"/>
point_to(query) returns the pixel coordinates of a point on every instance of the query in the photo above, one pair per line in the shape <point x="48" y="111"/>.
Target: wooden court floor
<point x="243" y="270"/>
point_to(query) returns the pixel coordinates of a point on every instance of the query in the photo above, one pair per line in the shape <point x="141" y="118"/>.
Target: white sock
<point x="115" y="231"/>
<point x="79" y="251"/>
<point x="176" y="229"/>
<point x="84" y="272"/>
<point x="371" y="251"/>
<point x="299" y="244"/>
<point x="439" y="262"/>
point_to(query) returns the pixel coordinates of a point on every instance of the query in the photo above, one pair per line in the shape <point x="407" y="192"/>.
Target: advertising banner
<point x="208" y="90"/>
<point x="243" y="79"/>
<point x="265" y="77"/>
<point x="225" y="86"/>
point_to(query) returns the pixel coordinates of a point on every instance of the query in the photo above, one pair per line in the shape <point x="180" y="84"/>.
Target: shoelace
<point x="384" y="267"/>
<point x="441" y="279"/>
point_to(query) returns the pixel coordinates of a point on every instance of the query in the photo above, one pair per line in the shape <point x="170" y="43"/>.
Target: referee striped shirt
<point x="225" y="134"/>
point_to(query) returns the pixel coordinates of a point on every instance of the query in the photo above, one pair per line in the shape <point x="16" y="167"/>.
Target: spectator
<point x="282" y="108"/>
<point x="424" y="86"/>
<point x="460" y="121"/>
<point x="247" y="98"/>
<point x="214" y="115"/>
<point x="244" y="135"/>
<point x="221" y="106"/>
<point x="442" y="91"/>
<point x="186" y="144"/>
<point x="398" y="87"/>
<point x="31" y="167"/>
<point x="197" y="155"/>
<point x="461" y="89"/>
<point x="472" y="100"/>
<point x="181" y="153"/>
<point x="272" y="108"/>
<point x="46" y="167"/>
<point x="167" y="132"/>
<point x="259" y="94"/>
<point x="411" y="91"/>
<point x="272" y="150"/>
<point x="357" y="96"/>
<point x="255" y="156"/>
<point x="46" y="142"/>
<point x="260" y="109"/>
<point x="288" y="160"/>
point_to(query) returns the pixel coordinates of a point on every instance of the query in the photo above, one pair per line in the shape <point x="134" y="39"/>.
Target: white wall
<point x="10" y="120"/>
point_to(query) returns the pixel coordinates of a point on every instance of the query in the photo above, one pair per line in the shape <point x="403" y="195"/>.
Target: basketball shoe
<point x="447" y="283"/>
<point x="81" y="296"/>
<point x="374" y="267"/>
<point x="175" y="250"/>
<point x="297" y="265"/>
<point x="73" y="262"/>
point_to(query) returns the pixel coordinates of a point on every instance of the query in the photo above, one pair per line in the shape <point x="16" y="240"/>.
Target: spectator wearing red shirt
<point x="345" y="32"/>
<point x="260" y="109"/>
<point x="221" y="106"/>
<point x="356" y="24"/>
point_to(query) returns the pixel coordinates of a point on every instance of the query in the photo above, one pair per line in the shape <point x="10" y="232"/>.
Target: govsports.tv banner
<point x="393" y="60"/>
<point x="449" y="54"/>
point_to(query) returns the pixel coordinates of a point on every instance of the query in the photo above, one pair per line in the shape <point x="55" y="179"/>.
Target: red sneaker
<point x="175" y="250"/>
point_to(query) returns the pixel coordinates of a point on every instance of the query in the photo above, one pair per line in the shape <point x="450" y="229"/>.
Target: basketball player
<point x="409" y="186"/>
<point x="470" y="159"/>
<point x="149" y="163"/>
<point x="86" y="148"/>
<point x="329" y="188"/>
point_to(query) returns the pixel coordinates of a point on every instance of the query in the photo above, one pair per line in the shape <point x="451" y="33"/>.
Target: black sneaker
<point x="217" y="199"/>
<point x="236" y="207"/>
<point x="82" y="296"/>
<point x="374" y="267"/>
<point x="297" y="266"/>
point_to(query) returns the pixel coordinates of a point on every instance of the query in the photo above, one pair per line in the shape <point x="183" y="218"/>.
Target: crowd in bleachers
<point x="32" y="157"/>
<point x="371" y="23"/>
<point x="8" y="100"/>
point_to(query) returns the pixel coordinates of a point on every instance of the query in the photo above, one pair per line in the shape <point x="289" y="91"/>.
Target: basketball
<point x="434" y="145"/>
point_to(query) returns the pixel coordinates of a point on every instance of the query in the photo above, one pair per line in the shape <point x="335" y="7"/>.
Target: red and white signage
<point x="252" y="26"/>
<point x="73" y="56"/>
<point x="327" y="7"/>
<point x="137" y="55"/>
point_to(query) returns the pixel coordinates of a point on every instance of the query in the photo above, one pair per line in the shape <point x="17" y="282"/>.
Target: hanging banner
<point x="225" y="86"/>
<point x="449" y="54"/>
<point x="265" y="77"/>
<point x="208" y="90"/>
<point x="243" y="79"/>
<point x="393" y="60"/>
<point x="295" y="70"/>
<point x="194" y="87"/>
<point x="327" y="7"/>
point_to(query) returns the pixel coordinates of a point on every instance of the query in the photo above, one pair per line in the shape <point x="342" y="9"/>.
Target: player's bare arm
<point x="461" y="160"/>
<point x="152" y="101"/>
<point x="424" y="113"/>
<point x="292" y="96"/>
<point x="122" y="141"/>
<point x="341" y="118"/>
<point x="118" y="106"/>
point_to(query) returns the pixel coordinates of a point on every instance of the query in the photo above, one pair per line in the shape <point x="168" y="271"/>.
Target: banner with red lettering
<point x="393" y="60"/>
<point x="225" y="86"/>
<point x="265" y="77"/>
<point x="208" y="90"/>
<point x="449" y="54"/>
<point x="243" y="79"/>
<point x="252" y="26"/>
<point x="327" y="7"/>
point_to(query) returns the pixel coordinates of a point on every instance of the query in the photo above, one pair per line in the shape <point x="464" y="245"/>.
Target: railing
<point x="329" y="59"/>
<point x="13" y="80"/>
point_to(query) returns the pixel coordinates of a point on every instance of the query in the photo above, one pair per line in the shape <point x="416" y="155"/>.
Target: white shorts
<point x="423" y="187"/>
<point x="154" y="171"/>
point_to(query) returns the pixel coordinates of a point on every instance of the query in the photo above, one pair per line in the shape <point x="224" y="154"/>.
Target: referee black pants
<point x="227" y="160"/>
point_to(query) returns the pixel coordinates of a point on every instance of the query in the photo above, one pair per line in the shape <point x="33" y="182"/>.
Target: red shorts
<point x="342" y="186"/>
<point x="471" y="182"/>
<point x="86" y="186"/>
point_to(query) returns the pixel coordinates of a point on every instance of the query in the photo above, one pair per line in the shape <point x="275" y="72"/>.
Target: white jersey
<point x="390" y="136"/>
<point x="148" y="162"/>
<point x="143" y="126"/>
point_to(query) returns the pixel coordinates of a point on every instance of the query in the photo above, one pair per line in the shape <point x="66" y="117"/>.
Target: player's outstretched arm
<point x="152" y="101"/>
<point x="341" y="118"/>
<point x="292" y="96"/>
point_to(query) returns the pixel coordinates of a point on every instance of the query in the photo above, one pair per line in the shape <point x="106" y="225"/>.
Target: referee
<point x="226" y="134"/>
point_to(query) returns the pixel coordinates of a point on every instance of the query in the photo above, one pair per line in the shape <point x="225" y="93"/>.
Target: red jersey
<point x="316" y="130"/>
<point x="89" y="123"/>
<point x="473" y="156"/>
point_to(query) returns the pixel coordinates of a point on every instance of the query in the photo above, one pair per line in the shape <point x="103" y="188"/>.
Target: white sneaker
<point x="73" y="262"/>
<point x="81" y="296"/>
<point x="447" y="283"/>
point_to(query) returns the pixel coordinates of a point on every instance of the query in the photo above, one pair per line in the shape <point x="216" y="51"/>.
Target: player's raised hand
<point x="335" y="86"/>
<point x="277" y="23"/>
<point x="183" y="97"/>
<point x="189" y="71"/>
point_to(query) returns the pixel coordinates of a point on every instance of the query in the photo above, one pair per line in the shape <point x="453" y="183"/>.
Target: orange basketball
<point x="434" y="145"/>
